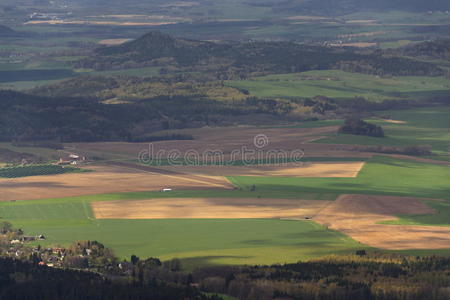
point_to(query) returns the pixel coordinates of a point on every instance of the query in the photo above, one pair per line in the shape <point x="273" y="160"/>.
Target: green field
<point x="197" y="242"/>
<point x="344" y="85"/>
<point x="423" y="126"/>
<point x="380" y="176"/>
<point x="231" y="241"/>
<point x="200" y="242"/>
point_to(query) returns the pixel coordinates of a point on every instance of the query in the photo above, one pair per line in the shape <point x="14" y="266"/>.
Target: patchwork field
<point x="243" y="214"/>
<point x="207" y="208"/>
<point x="358" y="216"/>
<point x="102" y="179"/>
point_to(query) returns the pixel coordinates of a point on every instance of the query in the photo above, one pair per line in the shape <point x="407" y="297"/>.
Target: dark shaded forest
<point x="24" y="280"/>
<point x="238" y="60"/>
<point x="27" y="119"/>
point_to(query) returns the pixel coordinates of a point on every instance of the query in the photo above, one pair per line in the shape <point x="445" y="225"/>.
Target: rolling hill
<point x="242" y="58"/>
<point x="6" y="31"/>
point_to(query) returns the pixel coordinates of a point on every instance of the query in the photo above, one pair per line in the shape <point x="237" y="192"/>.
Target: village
<point x="81" y="255"/>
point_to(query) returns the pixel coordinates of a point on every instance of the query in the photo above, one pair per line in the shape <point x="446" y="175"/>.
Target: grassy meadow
<point x="380" y="176"/>
<point x="344" y="85"/>
<point x="421" y="127"/>
<point x="200" y="242"/>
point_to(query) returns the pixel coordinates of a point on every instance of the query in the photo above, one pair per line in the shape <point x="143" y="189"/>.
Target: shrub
<point x="357" y="126"/>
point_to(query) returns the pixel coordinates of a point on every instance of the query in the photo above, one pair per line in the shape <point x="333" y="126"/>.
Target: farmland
<point x="380" y="176"/>
<point x="207" y="239"/>
<point x="343" y="85"/>
<point x="419" y="127"/>
<point x="294" y="149"/>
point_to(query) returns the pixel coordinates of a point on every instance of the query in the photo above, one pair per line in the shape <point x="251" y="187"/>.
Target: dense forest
<point x="238" y="60"/>
<point x="437" y="49"/>
<point x="373" y="276"/>
<point x="27" y="118"/>
<point x="23" y="280"/>
<point x="357" y="126"/>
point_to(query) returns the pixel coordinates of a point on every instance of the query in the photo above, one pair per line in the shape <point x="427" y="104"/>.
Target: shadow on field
<point x="192" y="263"/>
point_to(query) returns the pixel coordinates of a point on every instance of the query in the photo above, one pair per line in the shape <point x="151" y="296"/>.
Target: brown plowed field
<point x="357" y="215"/>
<point x="347" y="169"/>
<point x="104" y="179"/>
<point x="206" y="208"/>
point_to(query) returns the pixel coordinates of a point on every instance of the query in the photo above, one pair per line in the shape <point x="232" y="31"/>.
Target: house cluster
<point x="26" y="239"/>
<point x="72" y="159"/>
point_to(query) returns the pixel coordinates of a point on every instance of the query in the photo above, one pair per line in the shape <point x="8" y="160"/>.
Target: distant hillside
<point x="237" y="60"/>
<point x="337" y="7"/>
<point x="6" y="31"/>
<point x="439" y="49"/>
<point x="156" y="45"/>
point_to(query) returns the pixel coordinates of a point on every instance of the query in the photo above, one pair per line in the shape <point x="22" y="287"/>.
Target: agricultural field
<point x="413" y="127"/>
<point x="380" y="176"/>
<point x="230" y="241"/>
<point x="207" y="227"/>
<point x="344" y="85"/>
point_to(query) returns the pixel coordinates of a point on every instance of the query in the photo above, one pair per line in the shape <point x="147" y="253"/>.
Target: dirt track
<point x="357" y="215"/>
<point x="206" y="208"/>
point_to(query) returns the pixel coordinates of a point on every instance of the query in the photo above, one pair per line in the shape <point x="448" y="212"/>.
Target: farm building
<point x="72" y="159"/>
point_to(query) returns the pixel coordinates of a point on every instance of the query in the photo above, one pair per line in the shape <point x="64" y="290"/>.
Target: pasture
<point x="200" y="242"/>
<point x="344" y="85"/>
<point x="380" y="176"/>
<point x="417" y="127"/>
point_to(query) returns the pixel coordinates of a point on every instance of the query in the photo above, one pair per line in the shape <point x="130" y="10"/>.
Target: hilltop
<point x="236" y="60"/>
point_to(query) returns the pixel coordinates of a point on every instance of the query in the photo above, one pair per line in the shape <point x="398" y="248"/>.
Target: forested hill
<point x="155" y="45"/>
<point x="240" y="59"/>
<point x="6" y="31"/>
<point x="439" y="49"/>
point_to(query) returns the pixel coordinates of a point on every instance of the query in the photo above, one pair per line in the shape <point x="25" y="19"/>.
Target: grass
<point x="380" y="176"/>
<point x="227" y="241"/>
<point x="424" y="126"/>
<point x="200" y="242"/>
<point x="344" y="85"/>
<point x="442" y="218"/>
